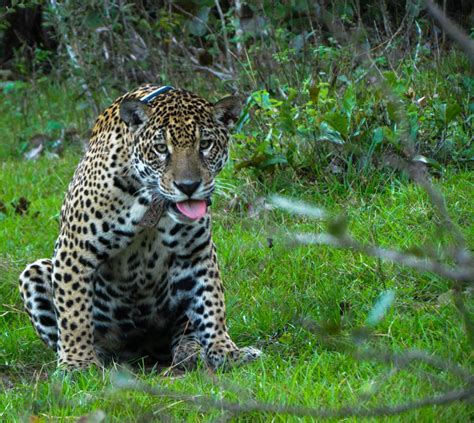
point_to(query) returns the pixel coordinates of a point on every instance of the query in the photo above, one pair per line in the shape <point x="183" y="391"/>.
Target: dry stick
<point x="436" y="198"/>
<point x="177" y="7"/>
<point x="209" y="402"/>
<point x="458" y="274"/>
<point x="444" y="32"/>
<point x="388" y="41"/>
<point x="230" y="63"/>
<point x="464" y="260"/>
<point x="239" y="32"/>
<point x="221" y="75"/>
<point x="452" y="29"/>
<point x="420" y="178"/>
<point x="386" y="22"/>
<point x="464" y="270"/>
<point x="217" y="73"/>
<point x="399" y="361"/>
<point x="406" y="357"/>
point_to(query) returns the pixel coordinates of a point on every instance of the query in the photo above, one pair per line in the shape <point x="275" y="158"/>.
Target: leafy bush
<point x="354" y="121"/>
<point x="324" y="81"/>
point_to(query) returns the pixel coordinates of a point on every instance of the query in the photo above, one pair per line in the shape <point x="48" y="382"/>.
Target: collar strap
<point x="156" y="93"/>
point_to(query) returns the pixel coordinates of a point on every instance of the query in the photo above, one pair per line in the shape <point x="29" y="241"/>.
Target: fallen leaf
<point x="37" y="144"/>
<point x="421" y="101"/>
<point x="34" y="153"/>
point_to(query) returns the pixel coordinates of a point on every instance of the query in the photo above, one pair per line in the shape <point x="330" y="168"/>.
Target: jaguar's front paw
<point x="226" y="355"/>
<point x="247" y="354"/>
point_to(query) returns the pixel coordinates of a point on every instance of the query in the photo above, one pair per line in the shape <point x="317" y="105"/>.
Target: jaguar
<point x="134" y="271"/>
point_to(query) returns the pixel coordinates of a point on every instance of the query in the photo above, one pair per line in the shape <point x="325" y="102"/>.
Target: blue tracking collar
<point x="156" y="93"/>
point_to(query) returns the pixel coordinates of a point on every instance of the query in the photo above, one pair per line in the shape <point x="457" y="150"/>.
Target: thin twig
<point x="239" y="32"/>
<point x="405" y="357"/>
<point x="459" y="273"/>
<point x="228" y="57"/>
<point x="209" y="402"/>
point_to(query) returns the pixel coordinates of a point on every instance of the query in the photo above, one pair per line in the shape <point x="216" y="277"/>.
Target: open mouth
<point x="193" y="209"/>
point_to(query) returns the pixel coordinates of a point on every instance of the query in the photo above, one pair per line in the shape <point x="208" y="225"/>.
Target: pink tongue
<point x="194" y="209"/>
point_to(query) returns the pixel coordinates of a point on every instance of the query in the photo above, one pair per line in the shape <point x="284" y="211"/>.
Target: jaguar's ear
<point x="134" y="113"/>
<point x="227" y="110"/>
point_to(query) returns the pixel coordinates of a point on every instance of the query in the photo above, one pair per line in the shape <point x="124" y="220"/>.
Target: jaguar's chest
<point x="139" y="278"/>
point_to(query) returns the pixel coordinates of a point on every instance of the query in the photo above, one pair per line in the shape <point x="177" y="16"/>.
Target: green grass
<point x="274" y="295"/>
<point x="269" y="293"/>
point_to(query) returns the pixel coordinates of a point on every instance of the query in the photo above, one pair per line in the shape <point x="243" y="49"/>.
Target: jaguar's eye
<point x="205" y="144"/>
<point x="161" y="148"/>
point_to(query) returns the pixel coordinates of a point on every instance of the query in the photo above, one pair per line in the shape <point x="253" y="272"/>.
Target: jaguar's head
<point x="180" y="143"/>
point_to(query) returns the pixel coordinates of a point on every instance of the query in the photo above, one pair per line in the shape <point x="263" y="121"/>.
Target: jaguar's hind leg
<point x="36" y="292"/>
<point x="185" y="347"/>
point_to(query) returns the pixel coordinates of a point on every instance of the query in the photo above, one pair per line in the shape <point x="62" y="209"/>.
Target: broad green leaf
<point x="467" y="155"/>
<point x="329" y="134"/>
<point x="452" y="110"/>
<point x="262" y="98"/>
<point x="349" y="100"/>
<point x="378" y="135"/>
<point x="394" y="82"/>
<point x="274" y="160"/>
<point x="53" y="125"/>
<point x="338" y="121"/>
<point x="428" y="161"/>
<point x="446" y="112"/>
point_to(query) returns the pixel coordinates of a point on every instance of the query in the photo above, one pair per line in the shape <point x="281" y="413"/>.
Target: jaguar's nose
<point x="188" y="187"/>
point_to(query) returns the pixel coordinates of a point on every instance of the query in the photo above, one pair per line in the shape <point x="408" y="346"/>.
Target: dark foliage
<point x="315" y="74"/>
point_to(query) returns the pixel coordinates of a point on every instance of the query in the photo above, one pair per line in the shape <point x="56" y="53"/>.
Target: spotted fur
<point x="115" y="289"/>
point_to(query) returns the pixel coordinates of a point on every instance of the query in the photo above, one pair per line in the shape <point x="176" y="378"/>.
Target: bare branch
<point x="209" y="402"/>
<point x="230" y="63"/>
<point x="222" y="74"/>
<point x="298" y="207"/>
<point x="406" y="357"/>
<point x="459" y="273"/>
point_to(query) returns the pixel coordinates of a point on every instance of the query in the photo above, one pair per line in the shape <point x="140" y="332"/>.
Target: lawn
<point x="276" y="293"/>
<point x="345" y="336"/>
